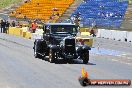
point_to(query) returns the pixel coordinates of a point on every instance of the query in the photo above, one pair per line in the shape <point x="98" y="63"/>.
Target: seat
<point x="42" y="9"/>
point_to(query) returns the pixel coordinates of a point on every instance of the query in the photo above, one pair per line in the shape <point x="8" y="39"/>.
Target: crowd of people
<point x="4" y="26"/>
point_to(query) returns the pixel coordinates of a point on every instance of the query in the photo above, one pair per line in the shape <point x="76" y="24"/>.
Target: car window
<point x="63" y="28"/>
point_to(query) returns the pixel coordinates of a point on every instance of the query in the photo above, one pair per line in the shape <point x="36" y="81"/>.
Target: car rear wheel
<point x="51" y="56"/>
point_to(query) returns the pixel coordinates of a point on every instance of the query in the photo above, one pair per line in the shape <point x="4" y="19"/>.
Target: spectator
<point x="34" y="26"/>
<point x="4" y="28"/>
<point x="77" y="21"/>
<point x="92" y="32"/>
<point x="25" y="17"/>
<point x="3" y="24"/>
<point x="18" y="24"/>
<point x="13" y="24"/>
<point x="12" y="12"/>
<point x="26" y="1"/>
<point x="78" y="15"/>
<point x="7" y="27"/>
<point x="57" y="14"/>
<point x="51" y="17"/>
<point x="55" y="9"/>
<point x="29" y="29"/>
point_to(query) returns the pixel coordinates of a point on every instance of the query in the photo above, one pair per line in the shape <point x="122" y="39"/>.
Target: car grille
<point x="59" y="37"/>
<point x="69" y="46"/>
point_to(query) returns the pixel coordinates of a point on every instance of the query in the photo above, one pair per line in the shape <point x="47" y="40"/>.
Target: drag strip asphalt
<point x="19" y="68"/>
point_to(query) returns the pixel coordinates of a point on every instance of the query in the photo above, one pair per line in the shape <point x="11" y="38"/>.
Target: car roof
<point x="59" y="24"/>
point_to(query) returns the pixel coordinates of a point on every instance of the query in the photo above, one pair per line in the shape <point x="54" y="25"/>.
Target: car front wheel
<point x="86" y="57"/>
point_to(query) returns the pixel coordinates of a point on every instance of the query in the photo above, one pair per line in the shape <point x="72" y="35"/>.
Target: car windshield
<point x="63" y="28"/>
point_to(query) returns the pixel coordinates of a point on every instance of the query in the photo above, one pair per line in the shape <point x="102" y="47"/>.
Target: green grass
<point x="6" y="3"/>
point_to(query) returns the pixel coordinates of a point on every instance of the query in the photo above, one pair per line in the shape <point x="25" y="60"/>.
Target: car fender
<point x="86" y="48"/>
<point x="53" y="47"/>
<point x="81" y="49"/>
<point x="40" y="44"/>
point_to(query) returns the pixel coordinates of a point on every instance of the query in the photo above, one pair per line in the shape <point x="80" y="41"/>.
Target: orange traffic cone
<point x="84" y="74"/>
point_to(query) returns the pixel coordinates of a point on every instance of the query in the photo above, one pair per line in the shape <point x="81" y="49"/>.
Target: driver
<point x="62" y="30"/>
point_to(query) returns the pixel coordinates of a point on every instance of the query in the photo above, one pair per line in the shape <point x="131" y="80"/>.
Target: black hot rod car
<point x="59" y="41"/>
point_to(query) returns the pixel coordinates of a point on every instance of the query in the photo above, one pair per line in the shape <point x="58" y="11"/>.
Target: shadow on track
<point x="75" y="61"/>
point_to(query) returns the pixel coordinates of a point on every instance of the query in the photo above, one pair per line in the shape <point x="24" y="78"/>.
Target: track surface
<point x="19" y="68"/>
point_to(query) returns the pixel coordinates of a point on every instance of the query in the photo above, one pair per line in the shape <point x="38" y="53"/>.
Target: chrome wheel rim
<point x="50" y="56"/>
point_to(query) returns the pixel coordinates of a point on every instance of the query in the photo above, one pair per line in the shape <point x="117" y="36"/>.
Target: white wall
<point x="115" y="35"/>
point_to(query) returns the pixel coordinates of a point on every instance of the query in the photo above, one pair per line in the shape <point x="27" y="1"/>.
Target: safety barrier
<point x="87" y="41"/>
<point x="84" y="29"/>
<point x="105" y="33"/>
<point x="101" y="33"/>
<point x="85" y="34"/>
<point x="39" y="34"/>
<point x="23" y="32"/>
<point x="121" y="35"/>
<point x="115" y="35"/>
<point x="20" y="32"/>
<point x="28" y="35"/>
<point x="98" y="33"/>
<point x="15" y="31"/>
<point x="129" y="36"/>
<point x="11" y="30"/>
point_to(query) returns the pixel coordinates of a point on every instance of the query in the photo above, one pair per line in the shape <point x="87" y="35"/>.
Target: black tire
<point x="51" y="56"/>
<point x="86" y="57"/>
<point x="36" y="55"/>
<point x="84" y="81"/>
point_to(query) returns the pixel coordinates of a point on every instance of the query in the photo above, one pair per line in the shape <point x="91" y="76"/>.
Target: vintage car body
<point x="59" y="41"/>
